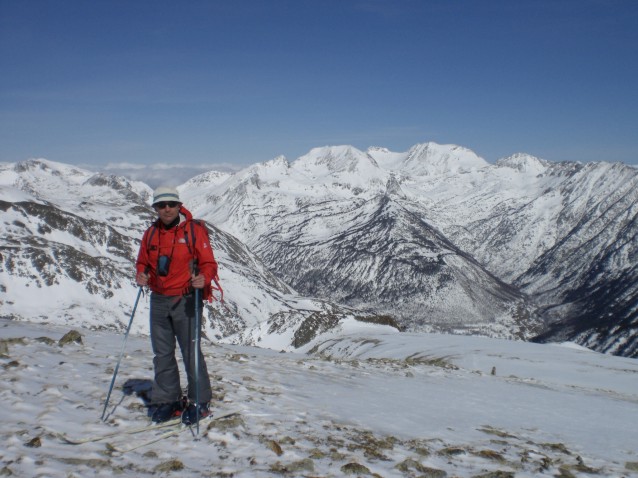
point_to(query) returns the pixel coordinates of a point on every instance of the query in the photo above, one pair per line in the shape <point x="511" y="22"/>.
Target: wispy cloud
<point x="164" y="173"/>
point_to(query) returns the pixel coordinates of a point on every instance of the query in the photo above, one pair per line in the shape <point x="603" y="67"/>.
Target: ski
<point x="132" y="431"/>
<point x="167" y="434"/>
<point x="127" y="431"/>
<point x="144" y="443"/>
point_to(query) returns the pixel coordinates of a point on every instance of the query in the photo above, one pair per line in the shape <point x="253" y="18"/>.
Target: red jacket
<point x="178" y="244"/>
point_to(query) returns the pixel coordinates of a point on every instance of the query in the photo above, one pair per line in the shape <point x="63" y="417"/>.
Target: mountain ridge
<point x="443" y="242"/>
<point x="507" y="216"/>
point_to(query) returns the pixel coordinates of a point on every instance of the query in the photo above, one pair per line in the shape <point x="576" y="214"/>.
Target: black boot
<point x="189" y="415"/>
<point x="166" y="411"/>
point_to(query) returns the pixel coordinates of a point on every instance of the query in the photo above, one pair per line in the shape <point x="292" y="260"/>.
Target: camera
<point x="163" y="265"/>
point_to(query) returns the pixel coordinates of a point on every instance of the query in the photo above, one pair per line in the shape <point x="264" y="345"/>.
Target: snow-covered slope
<point x="363" y="402"/>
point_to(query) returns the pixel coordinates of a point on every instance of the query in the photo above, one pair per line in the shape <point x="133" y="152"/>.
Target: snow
<point x="393" y="402"/>
<point x="364" y="394"/>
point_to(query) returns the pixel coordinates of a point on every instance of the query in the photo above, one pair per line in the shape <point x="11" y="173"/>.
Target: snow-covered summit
<point x="208" y="178"/>
<point x="335" y="160"/>
<point x="524" y="163"/>
<point x="430" y="159"/>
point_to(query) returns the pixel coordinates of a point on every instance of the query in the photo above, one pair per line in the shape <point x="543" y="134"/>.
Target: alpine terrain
<point x="434" y="239"/>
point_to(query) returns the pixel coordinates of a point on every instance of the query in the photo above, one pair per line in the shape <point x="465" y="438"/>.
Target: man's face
<point x="167" y="211"/>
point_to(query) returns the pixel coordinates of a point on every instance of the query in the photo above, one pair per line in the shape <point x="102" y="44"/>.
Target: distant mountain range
<point x="433" y="239"/>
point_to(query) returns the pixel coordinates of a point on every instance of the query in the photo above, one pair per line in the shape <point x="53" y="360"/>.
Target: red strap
<point x="218" y="287"/>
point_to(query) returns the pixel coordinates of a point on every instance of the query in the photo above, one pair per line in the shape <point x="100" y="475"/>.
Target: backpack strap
<point x="150" y="235"/>
<point x="192" y="240"/>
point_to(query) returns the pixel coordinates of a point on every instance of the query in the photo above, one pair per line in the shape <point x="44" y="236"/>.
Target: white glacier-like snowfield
<point x="367" y="401"/>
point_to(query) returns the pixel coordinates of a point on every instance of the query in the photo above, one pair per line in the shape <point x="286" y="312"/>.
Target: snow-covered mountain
<point x="432" y="239"/>
<point x="443" y="240"/>
<point x="67" y="250"/>
<point x="336" y="224"/>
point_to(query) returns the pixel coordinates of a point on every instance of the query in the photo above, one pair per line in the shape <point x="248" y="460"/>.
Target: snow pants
<point x="172" y="321"/>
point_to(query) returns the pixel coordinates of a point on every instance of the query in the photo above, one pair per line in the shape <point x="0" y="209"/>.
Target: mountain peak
<point x="278" y="162"/>
<point x="378" y="149"/>
<point x="47" y="167"/>
<point x="268" y="171"/>
<point x="431" y="159"/>
<point x="525" y="163"/>
<point x="335" y="159"/>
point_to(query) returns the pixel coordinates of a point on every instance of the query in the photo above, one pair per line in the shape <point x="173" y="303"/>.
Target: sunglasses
<point x="163" y="204"/>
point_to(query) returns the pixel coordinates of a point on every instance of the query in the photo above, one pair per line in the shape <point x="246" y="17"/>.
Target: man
<point x="174" y="260"/>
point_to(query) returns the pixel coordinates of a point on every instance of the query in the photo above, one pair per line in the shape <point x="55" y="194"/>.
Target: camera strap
<point x="149" y="240"/>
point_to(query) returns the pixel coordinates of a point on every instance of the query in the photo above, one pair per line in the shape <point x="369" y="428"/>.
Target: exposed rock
<point x="274" y="447"/>
<point x="355" y="469"/>
<point x="34" y="443"/>
<point x="70" y="337"/>
<point x="167" y="466"/>
<point x="426" y="472"/>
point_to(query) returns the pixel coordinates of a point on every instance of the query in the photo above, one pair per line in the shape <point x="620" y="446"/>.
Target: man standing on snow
<point x="174" y="259"/>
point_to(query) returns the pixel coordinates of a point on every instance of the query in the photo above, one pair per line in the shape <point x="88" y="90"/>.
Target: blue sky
<point x="243" y="81"/>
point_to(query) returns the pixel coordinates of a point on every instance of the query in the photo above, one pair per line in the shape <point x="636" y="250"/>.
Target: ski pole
<point x="197" y="320"/>
<point x="117" y="367"/>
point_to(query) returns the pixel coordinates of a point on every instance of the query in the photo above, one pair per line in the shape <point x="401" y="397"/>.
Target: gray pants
<point x="174" y="318"/>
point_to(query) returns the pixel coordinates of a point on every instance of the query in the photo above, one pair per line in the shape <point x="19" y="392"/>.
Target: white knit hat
<point x="165" y="193"/>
